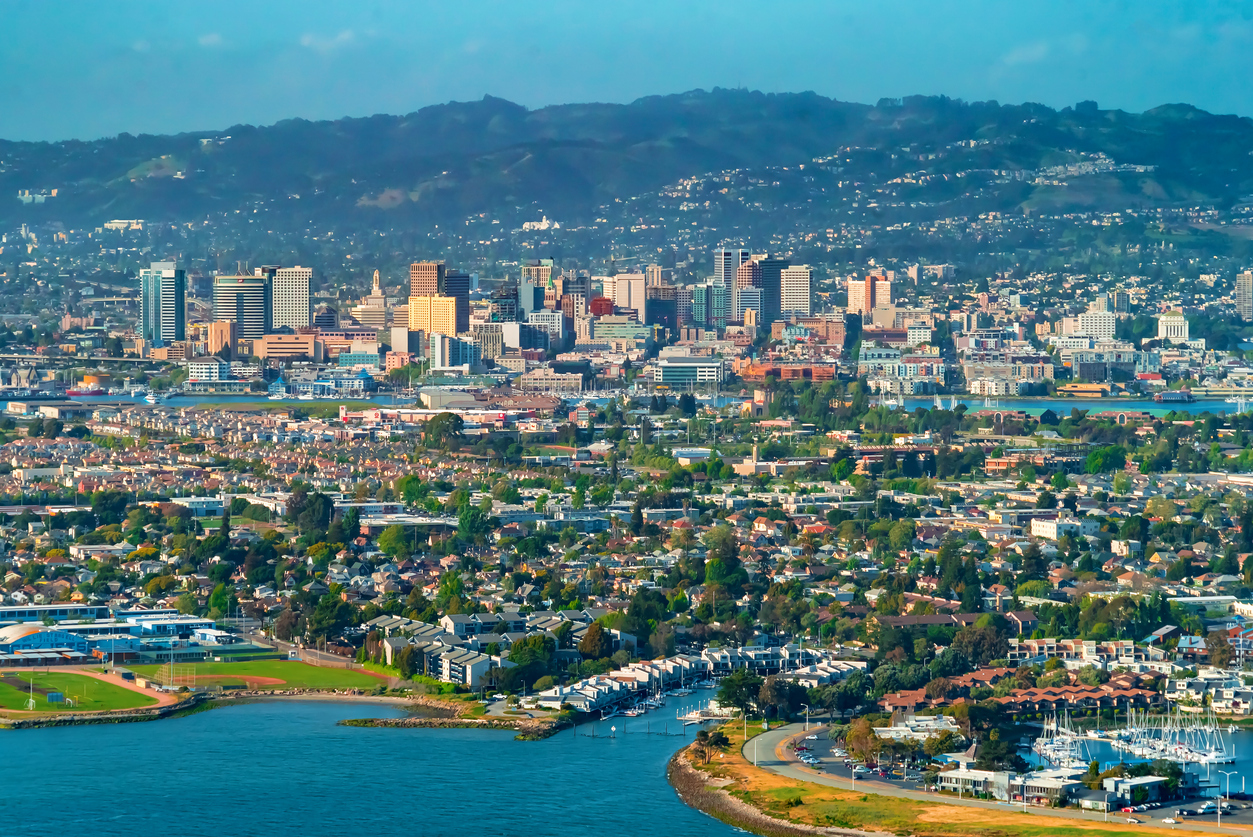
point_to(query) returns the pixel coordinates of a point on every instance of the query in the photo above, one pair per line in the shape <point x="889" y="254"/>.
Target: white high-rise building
<point x="1244" y="295"/>
<point x="795" y="290"/>
<point x="745" y="299"/>
<point x="628" y="292"/>
<point x="727" y="265"/>
<point x="290" y="295"/>
<point x="883" y="290"/>
<point x="1098" y="324"/>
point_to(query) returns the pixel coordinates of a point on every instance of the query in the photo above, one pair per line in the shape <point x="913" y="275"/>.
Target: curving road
<point x="768" y="752"/>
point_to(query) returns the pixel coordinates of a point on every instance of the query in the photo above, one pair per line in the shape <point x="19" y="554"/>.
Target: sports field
<point x="267" y="674"/>
<point x="86" y="693"/>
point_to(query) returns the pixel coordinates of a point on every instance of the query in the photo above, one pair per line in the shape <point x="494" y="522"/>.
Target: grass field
<point x="88" y="694"/>
<point x="821" y="805"/>
<point x="270" y="674"/>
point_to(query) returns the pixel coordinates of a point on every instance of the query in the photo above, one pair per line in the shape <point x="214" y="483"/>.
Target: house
<point x="1023" y="620"/>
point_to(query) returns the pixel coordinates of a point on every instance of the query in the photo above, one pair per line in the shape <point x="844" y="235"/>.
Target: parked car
<point x="1169" y="820"/>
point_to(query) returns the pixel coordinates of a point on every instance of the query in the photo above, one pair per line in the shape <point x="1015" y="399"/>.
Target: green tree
<point x="395" y="542"/>
<point x="1219" y="648"/>
<point x="472" y="524"/>
<point x="708" y="742"/>
<point x="444" y="430"/>
<point x="330" y="617"/>
<point x="596" y="644"/>
<point x="740" y="689"/>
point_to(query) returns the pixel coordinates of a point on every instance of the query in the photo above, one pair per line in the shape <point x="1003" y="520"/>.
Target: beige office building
<point x="220" y="335"/>
<point x="433" y="314"/>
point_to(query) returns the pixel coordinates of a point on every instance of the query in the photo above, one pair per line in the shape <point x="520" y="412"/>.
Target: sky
<point x="81" y="70"/>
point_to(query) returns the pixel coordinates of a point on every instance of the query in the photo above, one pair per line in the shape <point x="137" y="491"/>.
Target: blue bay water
<point x="285" y="768"/>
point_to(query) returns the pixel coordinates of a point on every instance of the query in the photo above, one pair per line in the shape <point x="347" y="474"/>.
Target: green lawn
<point x="289" y="673"/>
<point x="87" y="693"/>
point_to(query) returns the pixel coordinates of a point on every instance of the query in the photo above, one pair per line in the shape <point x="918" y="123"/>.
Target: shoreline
<point x="204" y="701"/>
<point x="696" y="791"/>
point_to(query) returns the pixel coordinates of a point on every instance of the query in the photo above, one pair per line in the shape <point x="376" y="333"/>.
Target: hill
<point x="491" y="156"/>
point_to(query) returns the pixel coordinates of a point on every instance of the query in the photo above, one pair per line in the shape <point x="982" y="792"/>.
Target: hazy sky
<point x="76" y="69"/>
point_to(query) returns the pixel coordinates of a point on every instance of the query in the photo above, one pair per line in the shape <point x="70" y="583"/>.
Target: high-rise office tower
<point x="426" y="278"/>
<point x="746" y="294"/>
<point x="656" y="275"/>
<point x="700" y="305"/>
<point x="290" y="294"/>
<point x="744" y="300"/>
<point x="748" y="275"/>
<point x="683" y="305"/>
<point x="796" y="290"/>
<point x="771" y="277"/>
<point x="434" y="279"/>
<point x="628" y="292"/>
<point x="457" y="286"/>
<point x="719" y="297"/>
<point x="537" y="271"/>
<point x="504" y="304"/>
<point x="861" y="294"/>
<point x="882" y="289"/>
<point x="433" y="314"/>
<point x="245" y="300"/>
<point x="1244" y="295"/>
<point x="727" y="264"/>
<point x="162" y="303"/>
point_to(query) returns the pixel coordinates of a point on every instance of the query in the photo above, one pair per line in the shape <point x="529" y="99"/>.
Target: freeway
<point x="770" y="751"/>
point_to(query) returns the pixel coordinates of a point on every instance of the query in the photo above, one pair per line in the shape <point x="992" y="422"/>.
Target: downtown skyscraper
<point x="162" y="303"/>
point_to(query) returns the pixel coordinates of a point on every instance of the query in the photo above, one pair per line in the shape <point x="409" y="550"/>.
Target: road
<point x="768" y="752"/>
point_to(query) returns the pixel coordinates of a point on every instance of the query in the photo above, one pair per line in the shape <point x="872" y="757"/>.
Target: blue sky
<point x="78" y="69"/>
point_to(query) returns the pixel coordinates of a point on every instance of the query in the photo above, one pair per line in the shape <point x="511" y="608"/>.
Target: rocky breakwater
<point x="527" y="729"/>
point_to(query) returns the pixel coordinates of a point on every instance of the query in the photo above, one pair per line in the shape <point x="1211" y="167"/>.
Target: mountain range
<point x="446" y="162"/>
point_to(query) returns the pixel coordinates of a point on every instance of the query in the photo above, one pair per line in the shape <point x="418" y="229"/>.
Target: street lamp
<point x="1228" y="774"/>
<point x="806" y="705"/>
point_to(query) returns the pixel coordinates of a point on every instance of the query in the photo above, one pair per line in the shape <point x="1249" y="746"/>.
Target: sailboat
<point x="1060" y="745"/>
